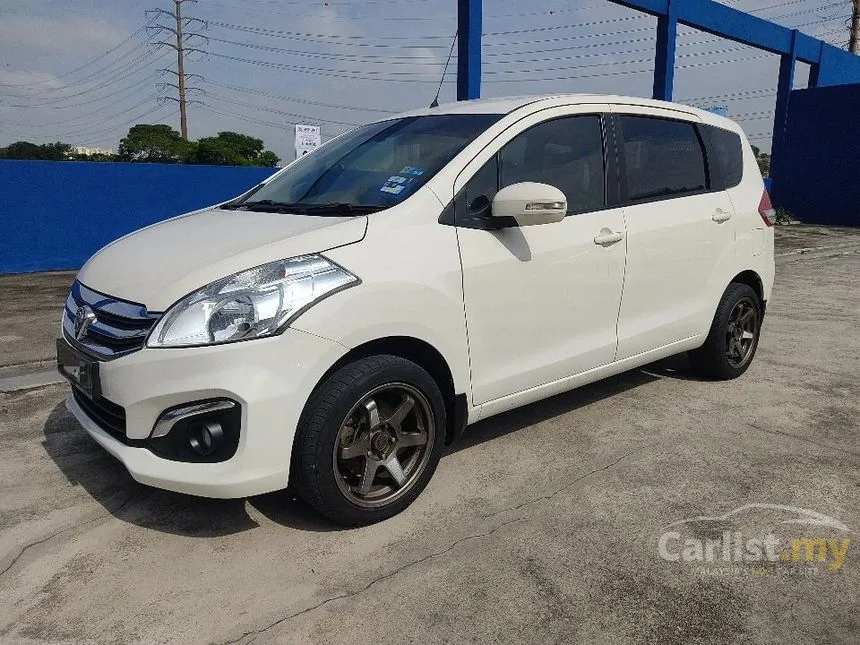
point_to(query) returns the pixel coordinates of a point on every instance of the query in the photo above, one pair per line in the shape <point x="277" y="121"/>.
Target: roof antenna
<point x="435" y="102"/>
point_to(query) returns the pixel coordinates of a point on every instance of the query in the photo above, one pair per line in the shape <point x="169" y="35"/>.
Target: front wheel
<point x="369" y="440"/>
<point x="733" y="338"/>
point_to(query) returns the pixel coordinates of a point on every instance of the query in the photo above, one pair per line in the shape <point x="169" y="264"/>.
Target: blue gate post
<point x="664" y="60"/>
<point x="814" y="71"/>
<point x="469" y="14"/>
<point x="787" y="66"/>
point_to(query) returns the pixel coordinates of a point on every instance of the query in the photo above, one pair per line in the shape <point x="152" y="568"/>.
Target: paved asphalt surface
<point x="542" y="526"/>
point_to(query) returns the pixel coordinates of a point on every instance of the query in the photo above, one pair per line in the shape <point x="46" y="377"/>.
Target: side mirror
<point x="530" y="203"/>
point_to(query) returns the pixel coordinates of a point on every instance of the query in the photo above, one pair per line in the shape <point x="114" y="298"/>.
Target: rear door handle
<point x="721" y="216"/>
<point x="607" y="236"/>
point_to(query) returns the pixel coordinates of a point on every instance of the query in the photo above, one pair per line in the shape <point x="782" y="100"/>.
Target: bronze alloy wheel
<point x="741" y="332"/>
<point x="383" y="445"/>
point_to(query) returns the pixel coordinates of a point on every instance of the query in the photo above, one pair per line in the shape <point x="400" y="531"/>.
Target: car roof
<point x="508" y="104"/>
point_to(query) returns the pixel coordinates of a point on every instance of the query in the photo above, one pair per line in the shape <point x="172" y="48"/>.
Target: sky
<point x="83" y="72"/>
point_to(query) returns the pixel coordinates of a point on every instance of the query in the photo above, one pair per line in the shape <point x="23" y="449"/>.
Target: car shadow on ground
<point x="86" y="464"/>
<point x="546" y="409"/>
<point x="676" y="367"/>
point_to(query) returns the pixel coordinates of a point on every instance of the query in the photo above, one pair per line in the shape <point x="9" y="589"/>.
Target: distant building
<point x="85" y="150"/>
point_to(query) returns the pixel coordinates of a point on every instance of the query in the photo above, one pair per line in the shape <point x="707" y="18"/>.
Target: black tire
<point x="318" y="475"/>
<point x="718" y="358"/>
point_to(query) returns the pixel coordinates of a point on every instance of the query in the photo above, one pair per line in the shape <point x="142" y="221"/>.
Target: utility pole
<point x="180" y="68"/>
<point x="182" y="35"/>
<point x="854" y="40"/>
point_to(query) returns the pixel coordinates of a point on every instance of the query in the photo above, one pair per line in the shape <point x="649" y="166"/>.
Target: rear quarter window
<point x="725" y="157"/>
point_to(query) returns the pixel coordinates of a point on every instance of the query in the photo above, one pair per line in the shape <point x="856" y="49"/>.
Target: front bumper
<point x="271" y="379"/>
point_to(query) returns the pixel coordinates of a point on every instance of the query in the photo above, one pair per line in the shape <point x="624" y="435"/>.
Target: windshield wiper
<point x="339" y="208"/>
<point x="335" y="208"/>
<point x="262" y="205"/>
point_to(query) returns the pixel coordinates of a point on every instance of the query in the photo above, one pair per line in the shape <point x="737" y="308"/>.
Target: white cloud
<point x="30" y="78"/>
<point x="51" y="35"/>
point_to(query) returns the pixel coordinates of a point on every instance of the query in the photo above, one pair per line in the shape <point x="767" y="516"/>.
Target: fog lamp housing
<point x="199" y="431"/>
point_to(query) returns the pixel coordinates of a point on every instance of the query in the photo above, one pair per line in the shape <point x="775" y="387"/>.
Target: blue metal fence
<point x="821" y="184"/>
<point x="55" y="214"/>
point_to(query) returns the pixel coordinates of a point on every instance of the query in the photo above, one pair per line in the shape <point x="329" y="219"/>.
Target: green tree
<point x="157" y="143"/>
<point x="98" y="156"/>
<point x="46" y="152"/>
<point x="763" y="160"/>
<point x="234" y="149"/>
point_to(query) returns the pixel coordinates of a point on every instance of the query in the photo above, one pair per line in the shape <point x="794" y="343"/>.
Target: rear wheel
<point x="733" y="338"/>
<point x="369" y="440"/>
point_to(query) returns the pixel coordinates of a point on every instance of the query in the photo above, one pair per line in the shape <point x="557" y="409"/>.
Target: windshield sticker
<point x="412" y="170"/>
<point x="395" y="184"/>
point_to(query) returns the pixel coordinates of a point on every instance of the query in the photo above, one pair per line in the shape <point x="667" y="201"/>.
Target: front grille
<point x="116" y="328"/>
<point x="109" y="416"/>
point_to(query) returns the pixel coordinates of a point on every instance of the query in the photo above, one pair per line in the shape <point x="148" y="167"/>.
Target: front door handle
<point x="721" y="216"/>
<point x="607" y="236"/>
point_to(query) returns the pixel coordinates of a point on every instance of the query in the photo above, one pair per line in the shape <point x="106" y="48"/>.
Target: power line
<point x="123" y="42"/>
<point x="89" y="115"/>
<point x="368" y="75"/>
<point x="614" y="63"/>
<point x="238" y="88"/>
<point x="771" y="91"/>
<point x="130" y="69"/>
<point x="242" y="117"/>
<point x="99" y="76"/>
<point x="302" y="117"/>
<point x="624" y="72"/>
<point x="335" y="37"/>
<point x="105" y="125"/>
<point x="329" y="16"/>
<point x="133" y="121"/>
<point x="354" y="58"/>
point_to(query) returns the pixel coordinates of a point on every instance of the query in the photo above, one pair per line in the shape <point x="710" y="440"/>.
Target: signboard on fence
<point x="307" y="139"/>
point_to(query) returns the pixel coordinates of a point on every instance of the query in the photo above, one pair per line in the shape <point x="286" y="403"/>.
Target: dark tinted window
<point x="663" y="158"/>
<point x="566" y="153"/>
<point x="725" y="157"/>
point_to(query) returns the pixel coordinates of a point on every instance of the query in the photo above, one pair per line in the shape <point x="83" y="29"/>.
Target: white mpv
<point x="335" y="327"/>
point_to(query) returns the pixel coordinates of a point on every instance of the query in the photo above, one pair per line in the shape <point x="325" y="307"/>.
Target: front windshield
<point x="374" y="166"/>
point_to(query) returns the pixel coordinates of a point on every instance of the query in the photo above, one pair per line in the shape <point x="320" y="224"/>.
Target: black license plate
<point x="82" y="372"/>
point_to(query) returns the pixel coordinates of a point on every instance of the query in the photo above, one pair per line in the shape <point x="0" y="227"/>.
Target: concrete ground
<point x="541" y="526"/>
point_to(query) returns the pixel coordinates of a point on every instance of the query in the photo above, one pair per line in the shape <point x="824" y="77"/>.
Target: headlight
<point x="252" y="304"/>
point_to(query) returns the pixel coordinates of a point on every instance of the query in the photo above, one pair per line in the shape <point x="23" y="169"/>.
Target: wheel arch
<point x="429" y="358"/>
<point x="754" y="281"/>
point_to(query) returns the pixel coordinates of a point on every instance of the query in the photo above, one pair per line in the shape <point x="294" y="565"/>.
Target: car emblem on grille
<point x="84" y="317"/>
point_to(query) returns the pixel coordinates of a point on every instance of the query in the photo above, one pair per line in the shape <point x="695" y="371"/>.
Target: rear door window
<point x="662" y="158"/>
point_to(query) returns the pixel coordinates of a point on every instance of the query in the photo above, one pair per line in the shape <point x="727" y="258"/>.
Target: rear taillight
<point x="766" y="209"/>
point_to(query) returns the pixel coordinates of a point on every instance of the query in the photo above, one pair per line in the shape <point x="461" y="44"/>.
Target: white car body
<point x="517" y="314"/>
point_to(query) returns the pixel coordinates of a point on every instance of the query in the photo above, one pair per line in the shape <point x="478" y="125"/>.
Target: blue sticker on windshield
<point x="395" y="184"/>
<point x="412" y="170"/>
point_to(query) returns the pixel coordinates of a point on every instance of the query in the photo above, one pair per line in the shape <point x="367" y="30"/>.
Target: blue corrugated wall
<point x="55" y="214"/>
<point x="818" y="179"/>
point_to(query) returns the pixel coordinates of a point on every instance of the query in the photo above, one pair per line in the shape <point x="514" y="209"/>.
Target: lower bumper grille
<point x="109" y="416"/>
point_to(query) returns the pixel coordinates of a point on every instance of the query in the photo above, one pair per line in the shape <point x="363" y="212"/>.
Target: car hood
<point x="159" y="264"/>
